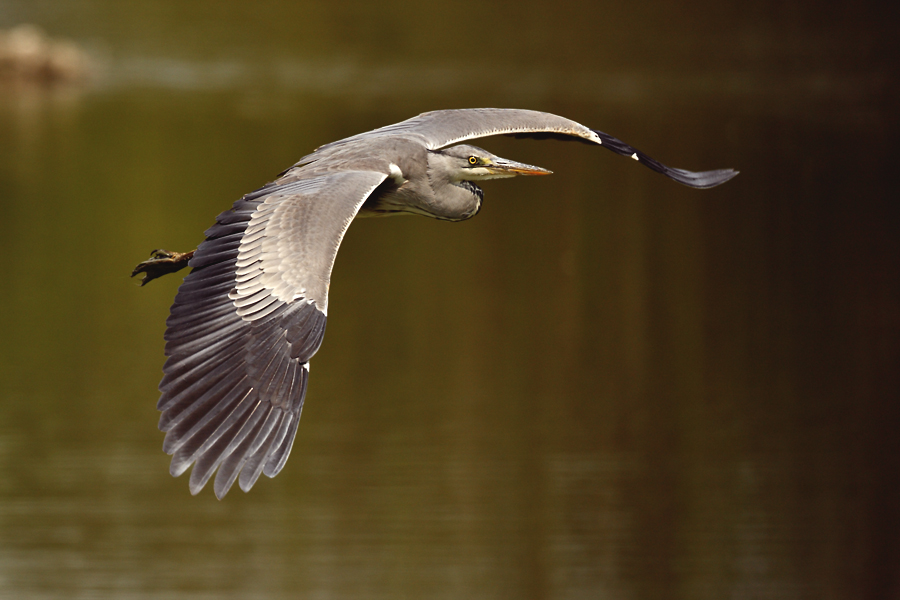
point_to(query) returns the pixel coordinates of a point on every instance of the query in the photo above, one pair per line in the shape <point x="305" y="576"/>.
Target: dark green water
<point x="604" y="386"/>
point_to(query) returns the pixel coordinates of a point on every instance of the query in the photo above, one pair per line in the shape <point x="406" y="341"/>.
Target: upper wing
<point x="441" y="128"/>
<point x="245" y="323"/>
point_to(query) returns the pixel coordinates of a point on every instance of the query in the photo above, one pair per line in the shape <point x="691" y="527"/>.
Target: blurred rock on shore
<point x="29" y="57"/>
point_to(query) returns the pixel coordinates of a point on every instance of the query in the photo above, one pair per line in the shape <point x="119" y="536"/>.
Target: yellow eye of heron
<point x="473" y="160"/>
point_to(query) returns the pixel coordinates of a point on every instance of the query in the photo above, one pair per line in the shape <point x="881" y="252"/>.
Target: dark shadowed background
<point x="606" y="385"/>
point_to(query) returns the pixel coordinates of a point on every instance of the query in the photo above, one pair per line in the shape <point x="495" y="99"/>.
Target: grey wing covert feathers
<point x="252" y="312"/>
<point x="245" y="323"/>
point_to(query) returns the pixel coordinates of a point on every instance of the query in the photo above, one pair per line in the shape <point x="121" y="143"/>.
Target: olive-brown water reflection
<point x="605" y="385"/>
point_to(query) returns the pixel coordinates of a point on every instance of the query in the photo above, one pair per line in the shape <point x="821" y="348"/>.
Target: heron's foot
<point x="162" y="262"/>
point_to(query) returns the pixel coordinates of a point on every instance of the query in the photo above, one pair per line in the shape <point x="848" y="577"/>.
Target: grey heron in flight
<point x="251" y="314"/>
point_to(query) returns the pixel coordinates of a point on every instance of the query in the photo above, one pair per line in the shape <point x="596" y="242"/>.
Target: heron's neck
<point x="453" y="200"/>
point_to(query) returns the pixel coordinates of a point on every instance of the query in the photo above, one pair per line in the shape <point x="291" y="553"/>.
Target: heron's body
<point x="252" y="313"/>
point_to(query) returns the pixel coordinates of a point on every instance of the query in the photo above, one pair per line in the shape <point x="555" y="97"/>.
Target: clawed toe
<point x="162" y="262"/>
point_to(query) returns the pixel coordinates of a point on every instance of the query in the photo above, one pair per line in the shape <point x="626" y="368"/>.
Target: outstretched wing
<point x="441" y="128"/>
<point x="245" y="323"/>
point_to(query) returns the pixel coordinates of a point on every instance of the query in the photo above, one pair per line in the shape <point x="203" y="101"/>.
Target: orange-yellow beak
<point x="511" y="168"/>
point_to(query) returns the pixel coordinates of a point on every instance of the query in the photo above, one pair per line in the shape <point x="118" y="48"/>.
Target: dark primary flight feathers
<point x="252" y="312"/>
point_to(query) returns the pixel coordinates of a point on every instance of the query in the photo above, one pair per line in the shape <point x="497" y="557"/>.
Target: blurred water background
<point x="604" y="386"/>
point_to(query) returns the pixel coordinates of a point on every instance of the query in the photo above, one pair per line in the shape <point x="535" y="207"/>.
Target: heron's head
<point x="470" y="163"/>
